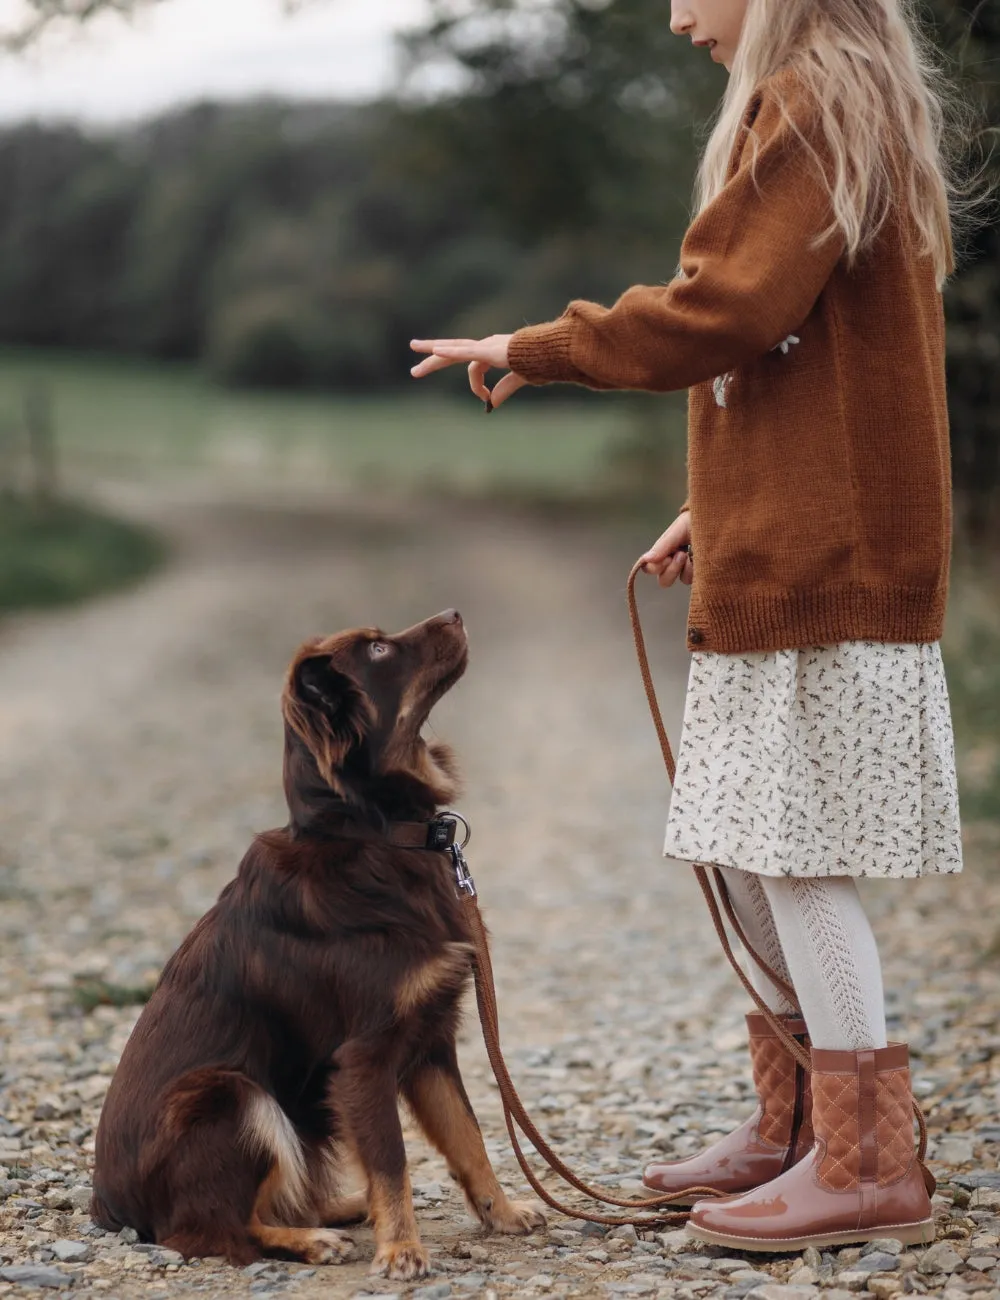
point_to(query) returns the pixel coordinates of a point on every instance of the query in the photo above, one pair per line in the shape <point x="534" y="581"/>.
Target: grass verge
<point x="58" y="552"/>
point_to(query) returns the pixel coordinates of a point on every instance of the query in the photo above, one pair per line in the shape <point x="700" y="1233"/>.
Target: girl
<point x="806" y="319"/>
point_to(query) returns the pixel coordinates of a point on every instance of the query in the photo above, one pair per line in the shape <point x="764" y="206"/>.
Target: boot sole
<point x="910" y="1234"/>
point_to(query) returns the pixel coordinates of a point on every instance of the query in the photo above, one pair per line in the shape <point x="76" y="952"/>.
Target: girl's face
<point x="716" y="22"/>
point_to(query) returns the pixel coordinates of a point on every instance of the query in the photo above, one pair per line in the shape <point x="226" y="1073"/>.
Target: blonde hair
<point x="881" y="94"/>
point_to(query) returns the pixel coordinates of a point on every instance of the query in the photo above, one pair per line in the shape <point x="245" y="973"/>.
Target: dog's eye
<point x="378" y="649"/>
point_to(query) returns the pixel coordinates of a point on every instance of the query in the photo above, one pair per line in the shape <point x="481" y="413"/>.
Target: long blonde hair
<point x="881" y="94"/>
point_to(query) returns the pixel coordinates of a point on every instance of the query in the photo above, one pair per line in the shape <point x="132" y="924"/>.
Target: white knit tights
<point x="816" y="936"/>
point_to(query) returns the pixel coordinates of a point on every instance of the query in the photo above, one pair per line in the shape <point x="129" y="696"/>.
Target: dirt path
<point x="140" y="749"/>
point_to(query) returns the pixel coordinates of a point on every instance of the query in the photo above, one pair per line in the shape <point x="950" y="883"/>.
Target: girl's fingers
<point x="678" y="534"/>
<point x="428" y="345"/>
<point x="428" y="366"/>
<point x="661" y="548"/>
<point x="507" y="387"/>
<point x="661" y="553"/>
<point x="673" y="569"/>
<point x="491" y="351"/>
<point x="477" y="381"/>
<point x="687" y="577"/>
<point x="457" y="350"/>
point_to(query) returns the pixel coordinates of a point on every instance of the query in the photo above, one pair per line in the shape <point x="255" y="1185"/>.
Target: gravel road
<point x="140" y="750"/>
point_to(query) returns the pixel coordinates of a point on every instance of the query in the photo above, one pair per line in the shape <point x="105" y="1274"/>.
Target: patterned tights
<point x="816" y="936"/>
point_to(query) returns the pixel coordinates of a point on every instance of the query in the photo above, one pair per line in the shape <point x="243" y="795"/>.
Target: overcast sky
<point x="183" y="49"/>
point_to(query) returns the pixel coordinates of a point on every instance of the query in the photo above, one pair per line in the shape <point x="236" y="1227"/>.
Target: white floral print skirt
<point x="832" y="761"/>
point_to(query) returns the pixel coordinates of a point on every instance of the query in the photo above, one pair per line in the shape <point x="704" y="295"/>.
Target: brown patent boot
<point x="777" y="1135"/>
<point x="861" y="1180"/>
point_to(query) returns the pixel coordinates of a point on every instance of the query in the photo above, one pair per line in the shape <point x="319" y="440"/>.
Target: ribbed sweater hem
<point x="756" y="621"/>
<point x="540" y="353"/>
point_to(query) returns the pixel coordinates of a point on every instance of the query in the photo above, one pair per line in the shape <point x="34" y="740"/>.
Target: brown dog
<point x="323" y="984"/>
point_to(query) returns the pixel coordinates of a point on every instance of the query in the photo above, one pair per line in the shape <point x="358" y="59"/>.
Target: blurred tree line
<point x="291" y="244"/>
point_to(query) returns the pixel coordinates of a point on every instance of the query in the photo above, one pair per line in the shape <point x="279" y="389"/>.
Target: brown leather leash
<point x="515" y="1115"/>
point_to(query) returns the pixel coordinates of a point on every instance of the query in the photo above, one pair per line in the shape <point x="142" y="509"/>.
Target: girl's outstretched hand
<point x="665" y="558"/>
<point x="480" y="355"/>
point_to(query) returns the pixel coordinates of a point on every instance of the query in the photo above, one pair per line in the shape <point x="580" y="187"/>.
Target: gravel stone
<point x="743" y="1284"/>
<point x="884" y="1288"/>
<point x="882" y="1246"/>
<point x="977" y="1179"/>
<point x="955" y="1149"/>
<point x="36" y="1276"/>
<point x="79" y="1197"/>
<point x="853" y="1279"/>
<point x="878" y="1261"/>
<point x="674" y="1242"/>
<point x="72" y="1252"/>
<point x="436" y="1291"/>
<point x="940" y="1258"/>
<point x="778" y="1291"/>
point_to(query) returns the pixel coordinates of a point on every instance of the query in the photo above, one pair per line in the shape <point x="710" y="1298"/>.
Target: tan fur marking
<point x="429" y="764"/>
<point x="390" y="1205"/>
<point x="345" y="1209"/>
<point x="448" y="970"/>
<point x="312" y="1245"/>
<point x="445" y="1118"/>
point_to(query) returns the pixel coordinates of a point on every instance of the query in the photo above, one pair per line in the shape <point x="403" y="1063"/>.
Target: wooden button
<point x="695" y="635"/>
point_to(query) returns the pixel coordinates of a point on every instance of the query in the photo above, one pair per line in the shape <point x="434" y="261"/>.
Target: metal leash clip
<point x="463" y="877"/>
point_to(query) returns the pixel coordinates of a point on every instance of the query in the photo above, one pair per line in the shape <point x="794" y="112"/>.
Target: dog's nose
<point x="450" y="616"/>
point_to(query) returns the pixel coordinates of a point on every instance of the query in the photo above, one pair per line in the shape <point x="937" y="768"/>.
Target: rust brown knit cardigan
<point x="818" y="455"/>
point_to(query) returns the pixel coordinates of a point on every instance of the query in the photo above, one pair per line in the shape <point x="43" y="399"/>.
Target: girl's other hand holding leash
<point x="480" y="355"/>
<point x="670" y="556"/>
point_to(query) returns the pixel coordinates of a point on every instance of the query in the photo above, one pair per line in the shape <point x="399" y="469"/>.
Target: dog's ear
<point x="328" y="711"/>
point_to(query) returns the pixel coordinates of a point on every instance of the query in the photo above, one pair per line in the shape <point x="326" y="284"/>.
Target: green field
<point x="120" y="417"/>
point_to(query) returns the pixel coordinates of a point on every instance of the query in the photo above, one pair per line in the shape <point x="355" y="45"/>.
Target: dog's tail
<point x="265" y="1130"/>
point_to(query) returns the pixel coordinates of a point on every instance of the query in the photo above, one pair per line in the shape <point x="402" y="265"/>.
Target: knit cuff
<point x="685" y="506"/>
<point x="540" y="353"/>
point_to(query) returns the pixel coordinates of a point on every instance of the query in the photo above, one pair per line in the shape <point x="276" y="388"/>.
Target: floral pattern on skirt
<point x="832" y="761"/>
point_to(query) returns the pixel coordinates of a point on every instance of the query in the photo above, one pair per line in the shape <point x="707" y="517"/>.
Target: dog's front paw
<point x="401" y="1261"/>
<point x="328" y="1247"/>
<point x="515" y="1218"/>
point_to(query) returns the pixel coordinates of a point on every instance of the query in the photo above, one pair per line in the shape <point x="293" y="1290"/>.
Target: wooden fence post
<point x="39" y="424"/>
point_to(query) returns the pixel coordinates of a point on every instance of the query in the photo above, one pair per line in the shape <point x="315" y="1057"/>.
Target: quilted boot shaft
<point x="862" y="1179"/>
<point x="777" y="1135"/>
<point x="783" y="1087"/>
